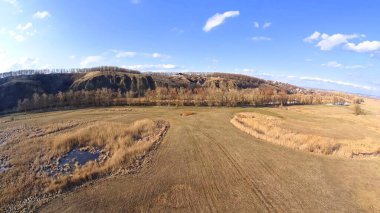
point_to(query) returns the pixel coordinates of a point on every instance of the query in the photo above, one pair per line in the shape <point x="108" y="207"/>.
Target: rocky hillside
<point x="122" y="81"/>
<point x="14" y="88"/>
<point x="219" y="81"/>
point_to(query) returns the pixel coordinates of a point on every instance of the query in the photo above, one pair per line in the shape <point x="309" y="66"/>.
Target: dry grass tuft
<point x="187" y="113"/>
<point x="124" y="146"/>
<point x="124" y="143"/>
<point x="357" y="109"/>
<point x="273" y="129"/>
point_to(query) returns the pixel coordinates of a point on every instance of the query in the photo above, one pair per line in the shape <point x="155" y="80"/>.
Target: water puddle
<point x="73" y="159"/>
<point x="78" y="157"/>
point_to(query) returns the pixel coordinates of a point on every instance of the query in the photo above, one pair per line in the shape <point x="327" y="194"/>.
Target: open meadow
<point x="187" y="159"/>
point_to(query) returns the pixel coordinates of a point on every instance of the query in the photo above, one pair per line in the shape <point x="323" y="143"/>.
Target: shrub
<point x="357" y="109"/>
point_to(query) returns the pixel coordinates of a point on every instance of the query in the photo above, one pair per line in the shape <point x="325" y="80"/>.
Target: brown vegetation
<point x="207" y="96"/>
<point x="187" y="113"/>
<point x="126" y="147"/>
<point x="108" y="86"/>
<point x="278" y="130"/>
<point x="206" y="164"/>
<point x="125" y="144"/>
<point x="357" y="109"/>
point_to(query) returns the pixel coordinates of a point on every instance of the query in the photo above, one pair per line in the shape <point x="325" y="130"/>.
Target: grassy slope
<point x="206" y="164"/>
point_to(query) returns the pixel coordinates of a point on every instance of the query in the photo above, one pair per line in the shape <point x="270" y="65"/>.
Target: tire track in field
<point x="253" y="185"/>
<point x="210" y="198"/>
<point x="278" y="203"/>
<point x="215" y="178"/>
<point x="289" y="190"/>
<point x="259" y="195"/>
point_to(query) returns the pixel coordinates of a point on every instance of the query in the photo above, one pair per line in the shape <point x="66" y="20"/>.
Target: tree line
<point x="62" y="71"/>
<point x="162" y="96"/>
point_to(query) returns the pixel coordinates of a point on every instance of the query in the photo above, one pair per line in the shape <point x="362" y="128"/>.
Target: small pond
<point x="68" y="162"/>
<point x="80" y="157"/>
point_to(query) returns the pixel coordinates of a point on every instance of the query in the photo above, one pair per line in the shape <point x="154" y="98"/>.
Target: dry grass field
<point x="329" y="130"/>
<point x="205" y="163"/>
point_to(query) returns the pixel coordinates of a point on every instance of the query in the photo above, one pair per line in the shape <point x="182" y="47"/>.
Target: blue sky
<point x="330" y="44"/>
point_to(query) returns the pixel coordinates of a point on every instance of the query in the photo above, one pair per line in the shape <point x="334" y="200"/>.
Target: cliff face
<point x="17" y="88"/>
<point x="13" y="89"/>
<point x="115" y="81"/>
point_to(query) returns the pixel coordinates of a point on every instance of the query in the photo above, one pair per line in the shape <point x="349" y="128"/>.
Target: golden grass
<point x="205" y="158"/>
<point x="187" y="113"/>
<point x="277" y="130"/>
<point x="123" y="143"/>
<point x="48" y="129"/>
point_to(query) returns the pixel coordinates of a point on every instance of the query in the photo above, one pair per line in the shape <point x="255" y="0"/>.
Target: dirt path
<point x="207" y="165"/>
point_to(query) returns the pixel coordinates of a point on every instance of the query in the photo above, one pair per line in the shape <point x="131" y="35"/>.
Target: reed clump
<point x="123" y="143"/>
<point x="273" y="129"/>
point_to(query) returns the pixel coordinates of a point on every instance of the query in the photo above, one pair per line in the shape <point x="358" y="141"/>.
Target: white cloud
<point x="267" y="25"/>
<point x="329" y="42"/>
<point x="313" y="37"/>
<point x="25" y="63"/>
<point x="90" y="60"/>
<point x="135" y="1"/>
<point x="158" y="55"/>
<point x="177" y="30"/>
<point x="15" y="4"/>
<point x="168" y="66"/>
<point x="261" y="38"/>
<point x="41" y="14"/>
<point x="125" y="54"/>
<point x="16" y="36"/>
<point x="354" y="66"/>
<point x="376" y="83"/>
<point x="25" y="26"/>
<point x="155" y="67"/>
<point x="8" y="63"/>
<point x="256" y="24"/>
<point x="365" y="46"/>
<point x="248" y="70"/>
<point x="264" y="26"/>
<point x="267" y="74"/>
<point x="5" y="62"/>
<point x="334" y="64"/>
<point x="12" y="2"/>
<point x="215" y="61"/>
<point x="21" y="33"/>
<point x="284" y="78"/>
<point x="342" y="83"/>
<point x="131" y="54"/>
<point x="218" y="19"/>
<point x="45" y="66"/>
